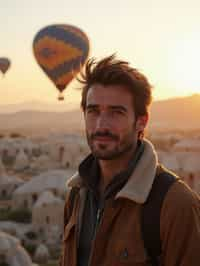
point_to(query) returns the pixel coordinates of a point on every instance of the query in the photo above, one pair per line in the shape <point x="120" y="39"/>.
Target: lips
<point x="104" y="136"/>
<point x="103" y="139"/>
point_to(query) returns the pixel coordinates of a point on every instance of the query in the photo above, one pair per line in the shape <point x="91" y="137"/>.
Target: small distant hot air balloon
<point x="4" y="64"/>
<point x="61" y="51"/>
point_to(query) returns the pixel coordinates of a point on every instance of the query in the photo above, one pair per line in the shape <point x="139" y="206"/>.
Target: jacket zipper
<point x="99" y="214"/>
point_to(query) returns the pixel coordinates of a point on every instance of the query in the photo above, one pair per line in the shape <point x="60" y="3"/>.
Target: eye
<point x="92" y="111"/>
<point x="118" y="112"/>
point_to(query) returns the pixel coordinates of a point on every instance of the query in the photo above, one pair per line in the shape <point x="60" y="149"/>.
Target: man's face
<point x="111" y="126"/>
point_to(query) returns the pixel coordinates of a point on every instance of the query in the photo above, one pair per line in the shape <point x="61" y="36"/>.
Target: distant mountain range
<point x="183" y="113"/>
<point x="36" y="106"/>
<point x="42" y="123"/>
<point x="37" y="118"/>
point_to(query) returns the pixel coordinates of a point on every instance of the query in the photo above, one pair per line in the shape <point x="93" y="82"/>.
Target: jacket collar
<point x="140" y="182"/>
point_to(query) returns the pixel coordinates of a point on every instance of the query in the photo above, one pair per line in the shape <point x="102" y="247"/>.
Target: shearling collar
<point x="140" y="182"/>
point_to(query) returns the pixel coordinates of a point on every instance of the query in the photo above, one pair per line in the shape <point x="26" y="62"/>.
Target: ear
<point x="142" y="122"/>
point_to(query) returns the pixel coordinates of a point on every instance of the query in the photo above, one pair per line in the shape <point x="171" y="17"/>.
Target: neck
<point x="110" y="168"/>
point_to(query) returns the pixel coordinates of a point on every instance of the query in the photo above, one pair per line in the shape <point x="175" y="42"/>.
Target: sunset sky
<point x="161" y="38"/>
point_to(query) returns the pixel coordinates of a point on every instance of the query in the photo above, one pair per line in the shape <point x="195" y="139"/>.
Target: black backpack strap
<point x="150" y="220"/>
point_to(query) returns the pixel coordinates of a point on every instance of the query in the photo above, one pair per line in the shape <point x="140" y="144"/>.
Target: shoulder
<point x="179" y="193"/>
<point x="180" y="220"/>
<point x="74" y="181"/>
<point x="180" y="196"/>
<point x="181" y="208"/>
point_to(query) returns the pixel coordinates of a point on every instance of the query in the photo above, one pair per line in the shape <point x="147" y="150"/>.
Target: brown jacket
<point x="118" y="239"/>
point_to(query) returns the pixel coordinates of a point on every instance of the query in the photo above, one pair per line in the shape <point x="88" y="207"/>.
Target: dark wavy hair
<point x="110" y="71"/>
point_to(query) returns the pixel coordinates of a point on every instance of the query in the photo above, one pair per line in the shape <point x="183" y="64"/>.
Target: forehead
<point x="109" y="95"/>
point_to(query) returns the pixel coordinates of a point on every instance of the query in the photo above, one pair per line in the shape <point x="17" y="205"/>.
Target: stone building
<point x="47" y="213"/>
<point x="8" y="184"/>
<point x="54" y="180"/>
<point x="11" y="251"/>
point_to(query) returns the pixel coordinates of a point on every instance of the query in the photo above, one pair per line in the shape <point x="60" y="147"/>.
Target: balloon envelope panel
<point x="4" y="64"/>
<point x="61" y="51"/>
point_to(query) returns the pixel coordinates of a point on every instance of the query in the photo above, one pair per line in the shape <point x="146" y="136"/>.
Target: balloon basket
<point x="60" y="97"/>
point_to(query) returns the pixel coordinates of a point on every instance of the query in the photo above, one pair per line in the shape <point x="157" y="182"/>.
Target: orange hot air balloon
<point x="4" y="64"/>
<point x="61" y="51"/>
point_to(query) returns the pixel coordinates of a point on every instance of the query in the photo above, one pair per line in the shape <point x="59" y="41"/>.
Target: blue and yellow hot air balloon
<point x="61" y="51"/>
<point x="4" y="64"/>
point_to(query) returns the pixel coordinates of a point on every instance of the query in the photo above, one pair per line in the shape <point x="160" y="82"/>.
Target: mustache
<point x="104" y="134"/>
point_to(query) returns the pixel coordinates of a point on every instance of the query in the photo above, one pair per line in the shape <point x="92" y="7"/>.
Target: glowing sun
<point x="184" y="70"/>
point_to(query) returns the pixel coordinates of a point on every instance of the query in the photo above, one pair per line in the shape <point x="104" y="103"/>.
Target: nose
<point x="103" y="122"/>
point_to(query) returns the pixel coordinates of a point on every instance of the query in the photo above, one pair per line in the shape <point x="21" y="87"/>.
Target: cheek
<point x="89" y="125"/>
<point x="127" y="133"/>
<point x="125" y="126"/>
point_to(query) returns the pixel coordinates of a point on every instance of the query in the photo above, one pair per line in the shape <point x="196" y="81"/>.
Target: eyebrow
<point x="90" y="106"/>
<point x="118" y="107"/>
<point x="112" y="107"/>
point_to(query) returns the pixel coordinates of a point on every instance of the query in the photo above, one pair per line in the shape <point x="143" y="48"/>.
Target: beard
<point x="110" y="151"/>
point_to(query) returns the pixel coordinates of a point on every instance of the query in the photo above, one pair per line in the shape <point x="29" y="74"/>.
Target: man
<point x="106" y="197"/>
